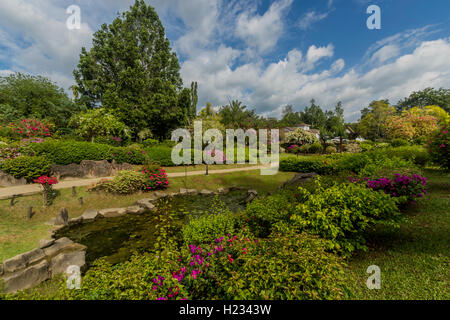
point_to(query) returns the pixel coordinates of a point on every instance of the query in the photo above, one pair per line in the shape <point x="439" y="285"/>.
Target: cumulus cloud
<point x="263" y="31"/>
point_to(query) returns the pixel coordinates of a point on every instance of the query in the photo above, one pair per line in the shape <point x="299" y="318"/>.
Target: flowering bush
<point x="156" y="179"/>
<point x="300" y="136"/>
<point x="46" y="183"/>
<point x="439" y="147"/>
<point x="28" y="128"/>
<point x="10" y="152"/>
<point x="215" y="156"/>
<point x="408" y="187"/>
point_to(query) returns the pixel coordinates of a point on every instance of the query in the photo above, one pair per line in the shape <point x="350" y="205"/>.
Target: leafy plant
<point x="27" y="167"/>
<point x="439" y="147"/>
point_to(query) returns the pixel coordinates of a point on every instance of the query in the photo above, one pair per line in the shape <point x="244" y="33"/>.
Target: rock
<point x="96" y="169"/>
<point x="33" y="256"/>
<point x="62" y="261"/>
<point x="235" y="188"/>
<point x="300" y="178"/>
<point x="45" y="243"/>
<point x="66" y="171"/>
<point x="90" y="215"/>
<point x="223" y="191"/>
<point x="192" y="191"/>
<point x="183" y="191"/>
<point x="205" y="192"/>
<point x="161" y="195"/>
<point x="113" y="212"/>
<point x="1" y="269"/>
<point x="75" y="221"/>
<point x="147" y="203"/>
<point x="14" y="264"/>
<point x="135" y="210"/>
<point x="57" y="246"/>
<point x="7" y="180"/>
<point x="251" y="195"/>
<point x="173" y="194"/>
<point x="26" y="278"/>
<point x="62" y="218"/>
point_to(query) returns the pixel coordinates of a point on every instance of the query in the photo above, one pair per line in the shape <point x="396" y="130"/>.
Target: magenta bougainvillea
<point x="29" y="128"/>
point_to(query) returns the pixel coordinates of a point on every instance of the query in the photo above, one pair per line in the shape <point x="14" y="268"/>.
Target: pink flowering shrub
<point x="28" y="128"/>
<point x="439" y="147"/>
<point x="156" y="179"/>
<point x="408" y="187"/>
<point x="216" y="154"/>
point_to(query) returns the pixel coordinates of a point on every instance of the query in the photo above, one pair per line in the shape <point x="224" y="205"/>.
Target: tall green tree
<point x="426" y="97"/>
<point x="194" y="100"/>
<point x="26" y="96"/>
<point x="235" y="115"/>
<point x="289" y="118"/>
<point x="314" y="116"/>
<point x="371" y="126"/>
<point x="132" y="72"/>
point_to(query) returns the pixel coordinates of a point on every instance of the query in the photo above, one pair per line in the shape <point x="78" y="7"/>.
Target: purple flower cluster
<point x="411" y="187"/>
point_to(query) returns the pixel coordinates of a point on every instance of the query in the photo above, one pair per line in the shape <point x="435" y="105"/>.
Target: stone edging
<point x="53" y="257"/>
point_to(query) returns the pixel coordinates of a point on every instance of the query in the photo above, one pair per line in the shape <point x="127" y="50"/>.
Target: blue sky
<point x="263" y="52"/>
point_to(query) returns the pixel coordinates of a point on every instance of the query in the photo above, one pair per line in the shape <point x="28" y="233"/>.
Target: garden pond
<point x="118" y="238"/>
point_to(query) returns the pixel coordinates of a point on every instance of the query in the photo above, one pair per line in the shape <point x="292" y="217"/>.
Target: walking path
<point x="29" y="189"/>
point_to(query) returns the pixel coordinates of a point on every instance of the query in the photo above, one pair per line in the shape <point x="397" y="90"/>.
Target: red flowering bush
<point x="439" y="147"/>
<point x="47" y="193"/>
<point x="156" y="179"/>
<point x="28" y="128"/>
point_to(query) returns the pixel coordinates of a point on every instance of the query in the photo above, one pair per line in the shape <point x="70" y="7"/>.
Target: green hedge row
<point x="26" y="167"/>
<point x="67" y="152"/>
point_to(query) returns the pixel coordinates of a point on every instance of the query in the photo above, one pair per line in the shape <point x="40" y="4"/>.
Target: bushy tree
<point x="314" y="115"/>
<point x="235" y="115"/>
<point x="371" y="126"/>
<point x="300" y="136"/>
<point x="34" y="97"/>
<point x="98" y="122"/>
<point x="132" y="71"/>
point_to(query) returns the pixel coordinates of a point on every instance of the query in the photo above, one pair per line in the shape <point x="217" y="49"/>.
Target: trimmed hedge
<point x="27" y="167"/>
<point x="320" y="166"/>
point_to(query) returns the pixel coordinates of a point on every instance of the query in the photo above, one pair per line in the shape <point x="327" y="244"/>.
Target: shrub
<point x="28" y="128"/>
<point x="27" y="167"/>
<point x="352" y="148"/>
<point x="263" y="213"/>
<point x="133" y="154"/>
<point x="156" y="178"/>
<point x="47" y="183"/>
<point x="330" y="150"/>
<point x="125" y="182"/>
<point x="300" y="136"/>
<point x="343" y="213"/>
<point x="315" y="148"/>
<point x="67" y="152"/>
<point x="150" y="143"/>
<point x="285" y="266"/>
<point x="205" y="229"/>
<point x="409" y="187"/>
<point x="439" y="147"/>
<point x="161" y="155"/>
<point x="417" y="154"/>
<point x="399" y="143"/>
<point x="320" y="166"/>
<point x="366" y="145"/>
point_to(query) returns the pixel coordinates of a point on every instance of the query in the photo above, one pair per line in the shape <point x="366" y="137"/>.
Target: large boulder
<point x="113" y="212"/>
<point x="7" y="180"/>
<point x="62" y="261"/>
<point x="94" y="169"/>
<point x="66" y="171"/>
<point x="26" y="278"/>
<point x="90" y="215"/>
<point x="299" y="178"/>
<point x="14" y="264"/>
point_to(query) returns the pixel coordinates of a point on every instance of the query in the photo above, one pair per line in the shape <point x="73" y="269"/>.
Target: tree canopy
<point x="132" y="72"/>
<point x="426" y="97"/>
<point x="26" y="96"/>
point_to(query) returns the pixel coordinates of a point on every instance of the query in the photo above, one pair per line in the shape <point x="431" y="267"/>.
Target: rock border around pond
<point x="53" y="257"/>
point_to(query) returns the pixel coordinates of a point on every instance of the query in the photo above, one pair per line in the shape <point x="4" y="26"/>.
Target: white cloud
<point x="385" y="53"/>
<point x="310" y="18"/>
<point x="263" y="31"/>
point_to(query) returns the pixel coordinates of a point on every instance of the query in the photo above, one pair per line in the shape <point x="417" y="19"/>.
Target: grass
<point x="18" y="235"/>
<point x="414" y="260"/>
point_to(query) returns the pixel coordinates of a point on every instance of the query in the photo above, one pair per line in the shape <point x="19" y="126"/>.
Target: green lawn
<point x="414" y="260"/>
<point x="18" y="235"/>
